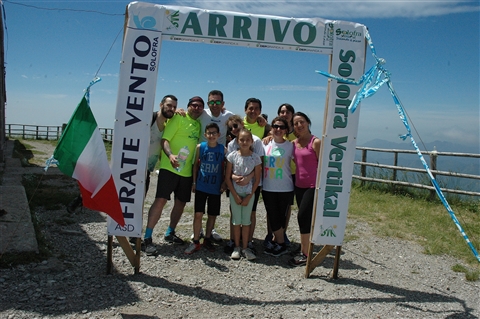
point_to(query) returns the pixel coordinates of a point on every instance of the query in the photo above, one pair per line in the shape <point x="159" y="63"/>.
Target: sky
<point x="53" y="49"/>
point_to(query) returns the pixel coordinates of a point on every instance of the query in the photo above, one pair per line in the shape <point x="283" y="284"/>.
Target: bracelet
<point x="194" y="184"/>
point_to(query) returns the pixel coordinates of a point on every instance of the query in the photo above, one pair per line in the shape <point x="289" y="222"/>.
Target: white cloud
<point x="294" y="88"/>
<point x="104" y="75"/>
<point x="54" y="96"/>
<point x="345" y="9"/>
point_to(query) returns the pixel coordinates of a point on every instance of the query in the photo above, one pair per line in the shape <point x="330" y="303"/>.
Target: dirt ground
<point x="378" y="277"/>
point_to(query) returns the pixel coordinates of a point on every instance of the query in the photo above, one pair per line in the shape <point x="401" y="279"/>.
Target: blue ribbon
<point x="87" y="90"/>
<point x="371" y="82"/>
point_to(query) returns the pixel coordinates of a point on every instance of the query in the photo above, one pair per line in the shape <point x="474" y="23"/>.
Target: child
<point x="207" y="185"/>
<point x="242" y="162"/>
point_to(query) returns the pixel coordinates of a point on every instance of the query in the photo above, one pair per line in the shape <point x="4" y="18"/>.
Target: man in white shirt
<point x="215" y="114"/>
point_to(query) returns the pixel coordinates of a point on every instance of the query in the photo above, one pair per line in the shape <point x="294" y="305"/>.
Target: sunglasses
<point x="234" y="126"/>
<point x="218" y="102"/>
<point x="282" y="127"/>
<point x="196" y="105"/>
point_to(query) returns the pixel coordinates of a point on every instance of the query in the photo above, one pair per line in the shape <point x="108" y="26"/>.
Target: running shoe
<point x="216" y="236"/>
<point x="207" y="244"/>
<point x="150" y="248"/>
<point x="174" y="239"/>
<point x="202" y="235"/>
<point x="278" y="250"/>
<point x="299" y="260"/>
<point x="247" y="253"/>
<point x="268" y="239"/>
<point x="193" y="247"/>
<point x="236" y="253"/>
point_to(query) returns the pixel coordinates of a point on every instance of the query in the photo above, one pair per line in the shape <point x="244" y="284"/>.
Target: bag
<point x="154" y="118"/>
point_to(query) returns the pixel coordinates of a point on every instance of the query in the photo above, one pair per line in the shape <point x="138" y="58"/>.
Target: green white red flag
<point x="81" y="154"/>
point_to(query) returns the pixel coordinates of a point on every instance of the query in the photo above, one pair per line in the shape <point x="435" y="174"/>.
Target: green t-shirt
<point x="256" y="129"/>
<point x="181" y="131"/>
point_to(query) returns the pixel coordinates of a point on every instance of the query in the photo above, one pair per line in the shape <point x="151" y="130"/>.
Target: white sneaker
<point x="216" y="236"/>
<point x="201" y="235"/>
<point x="247" y="253"/>
<point x="236" y="253"/>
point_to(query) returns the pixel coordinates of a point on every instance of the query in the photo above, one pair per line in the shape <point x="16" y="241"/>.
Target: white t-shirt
<point x="155" y="146"/>
<point x="207" y="118"/>
<point x="242" y="166"/>
<point x="277" y="175"/>
<point x="257" y="148"/>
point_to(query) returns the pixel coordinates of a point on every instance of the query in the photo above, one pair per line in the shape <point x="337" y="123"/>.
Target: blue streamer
<point x="371" y="82"/>
<point x="87" y="90"/>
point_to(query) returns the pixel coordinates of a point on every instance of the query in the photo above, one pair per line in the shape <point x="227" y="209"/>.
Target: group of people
<point x="208" y="151"/>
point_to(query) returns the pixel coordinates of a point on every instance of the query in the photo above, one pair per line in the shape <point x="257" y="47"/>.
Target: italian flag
<point x="81" y="154"/>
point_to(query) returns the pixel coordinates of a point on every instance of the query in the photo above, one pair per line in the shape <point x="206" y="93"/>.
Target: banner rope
<point x="370" y="83"/>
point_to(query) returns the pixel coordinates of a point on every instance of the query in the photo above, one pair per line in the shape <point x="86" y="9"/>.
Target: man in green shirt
<point x="179" y="141"/>
<point x="253" y="121"/>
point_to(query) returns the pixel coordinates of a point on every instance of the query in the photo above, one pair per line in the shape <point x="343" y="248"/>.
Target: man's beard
<point x="167" y="114"/>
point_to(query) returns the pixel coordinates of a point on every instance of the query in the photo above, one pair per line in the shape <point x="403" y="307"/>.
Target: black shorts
<point x="213" y="202"/>
<point x="169" y="182"/>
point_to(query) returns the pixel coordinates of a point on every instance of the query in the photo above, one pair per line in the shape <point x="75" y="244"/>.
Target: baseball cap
<point x="197" y="99"/>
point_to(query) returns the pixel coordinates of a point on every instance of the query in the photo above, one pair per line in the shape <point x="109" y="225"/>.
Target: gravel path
<point x="378" y="278"/>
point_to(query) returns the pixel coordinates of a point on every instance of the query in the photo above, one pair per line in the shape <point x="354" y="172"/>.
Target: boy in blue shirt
<point x="208" y="185"/>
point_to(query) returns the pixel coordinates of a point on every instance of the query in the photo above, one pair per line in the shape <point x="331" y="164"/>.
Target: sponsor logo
<point x="215" y="41"/>
<point x="146" y="23"/>
<point x="329" y="232"/>
<point x="174" y="18"/>
<point x="347" y="33"/>
<point x="270" y="46"/>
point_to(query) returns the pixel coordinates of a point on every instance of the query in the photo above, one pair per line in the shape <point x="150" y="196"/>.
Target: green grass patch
<point x="470" y="274"/>
<point x="426" y="222"/>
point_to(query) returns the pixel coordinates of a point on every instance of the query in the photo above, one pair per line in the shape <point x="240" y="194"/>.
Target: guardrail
<point x="393" y="177"/>
<point x="45" y="132"/>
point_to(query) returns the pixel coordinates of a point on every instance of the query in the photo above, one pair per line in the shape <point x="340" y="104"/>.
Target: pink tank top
<point x="307" y="165"/>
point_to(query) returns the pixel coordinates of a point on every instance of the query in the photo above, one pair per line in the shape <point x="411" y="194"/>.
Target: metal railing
<point x="26" y="131"/>
<point x="45" y="132"/>
<point x="391" y="177"/>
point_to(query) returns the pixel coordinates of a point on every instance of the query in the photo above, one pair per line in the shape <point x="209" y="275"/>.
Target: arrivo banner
<point x="147" y="25"/>
<point x="233" y="28"/>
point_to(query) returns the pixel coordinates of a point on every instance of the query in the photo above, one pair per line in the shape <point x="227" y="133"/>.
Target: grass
<point x="420" y="220"/>
<point x="26" y="152"/>
<point x="28" y="155"/>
